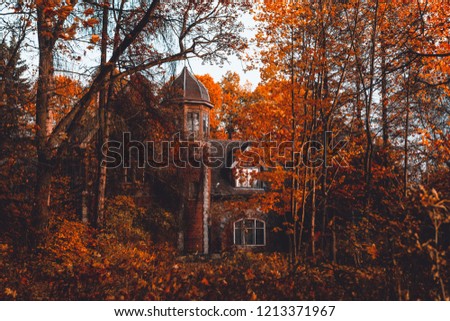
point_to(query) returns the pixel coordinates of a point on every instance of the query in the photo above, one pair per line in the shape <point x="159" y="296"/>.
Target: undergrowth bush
<point x="121" y="262"/>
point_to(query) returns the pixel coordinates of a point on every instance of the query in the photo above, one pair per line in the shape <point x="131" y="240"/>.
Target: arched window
<point x="250" y="232"/>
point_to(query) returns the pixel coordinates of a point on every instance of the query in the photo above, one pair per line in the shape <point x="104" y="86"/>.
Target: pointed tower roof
<point x="188" y="89"/>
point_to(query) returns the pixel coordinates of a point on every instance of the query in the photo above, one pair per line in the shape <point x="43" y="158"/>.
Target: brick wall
<point x="194" y="202"/>
<point x="193" y="219"/>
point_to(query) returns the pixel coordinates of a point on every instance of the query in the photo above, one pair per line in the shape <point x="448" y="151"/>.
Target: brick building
<point x="207" y="226"/>
<point x="192" y="187"/>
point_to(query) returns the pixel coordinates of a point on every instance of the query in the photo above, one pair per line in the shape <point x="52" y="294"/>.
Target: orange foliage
<point x="216" y="96"/>
<point x="66" y="93"/>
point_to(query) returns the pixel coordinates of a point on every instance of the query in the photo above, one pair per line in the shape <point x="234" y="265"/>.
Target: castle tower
<point x="194" y="105"/>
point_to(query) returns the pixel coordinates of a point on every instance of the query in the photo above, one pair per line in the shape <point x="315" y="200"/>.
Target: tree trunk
<point x="405" y="147"/>
<point x="324" y="184"/>
<point x="325" y="115"/>
<point x="384" y="101"/>
<point x="313" y="217"/>
<point x="334" y="238"/>
<point x="369" y="99"/>
<point x="40" y="211"/>
<point x="294" y="183"/>
<point x="103" y="132"/>
<point x="302" y="222"/>
<point x="358" y="105"/>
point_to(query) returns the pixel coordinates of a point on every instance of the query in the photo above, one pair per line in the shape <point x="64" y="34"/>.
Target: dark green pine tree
<point x="14" y="94"/>
<point x="16" y="149"/>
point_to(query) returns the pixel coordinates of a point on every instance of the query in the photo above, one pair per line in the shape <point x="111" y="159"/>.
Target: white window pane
<point x="249" y="232"/>
<point x="193" y="122"/>
<point x="196" y="123"/>
<point x="189" y="122"/>
<point x="205" y="124"/>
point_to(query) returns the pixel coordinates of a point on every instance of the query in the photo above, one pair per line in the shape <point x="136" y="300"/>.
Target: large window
<point x="193" y="123"/>
<point x="246" y="178"/>
<point x="250" y="232"/>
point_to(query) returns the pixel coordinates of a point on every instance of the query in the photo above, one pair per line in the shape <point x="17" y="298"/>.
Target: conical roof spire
<point x="188" y="89"/>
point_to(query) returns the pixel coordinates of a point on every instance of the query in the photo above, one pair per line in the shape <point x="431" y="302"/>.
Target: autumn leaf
<point x="91" y="22"/>
<point x="95" y="38"/>
<point x="249" y="275"/>
<point x="88" y="12"/>
<point x="372" y="251"/>
<point x="10" y="292"/>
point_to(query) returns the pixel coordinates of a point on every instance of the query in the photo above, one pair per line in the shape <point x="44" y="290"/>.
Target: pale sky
<point x="235" y="64"/>
<point x="217" y="71"/>
<point x="89" y="59"/>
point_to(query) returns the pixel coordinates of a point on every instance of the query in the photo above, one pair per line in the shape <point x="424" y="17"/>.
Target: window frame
<point x="205" y="125"/>
<point x="254" y="229"/>
<point x="257" y="184"/>
<point x="190" y="123"/>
